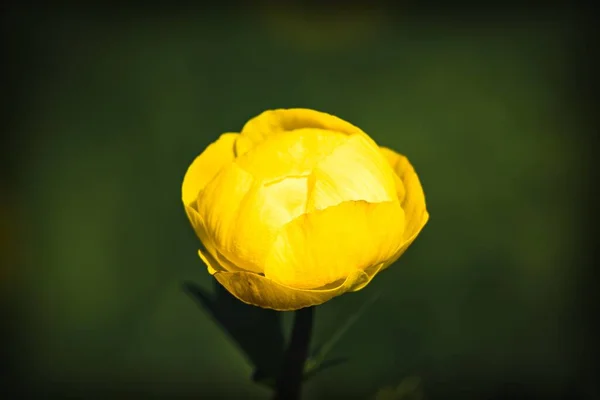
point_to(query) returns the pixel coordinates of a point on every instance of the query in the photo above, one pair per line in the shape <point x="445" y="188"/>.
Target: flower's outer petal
<point x="324" y="246"/>
<point x="272" y="122"/>
<point x="413" y="201"/>
<point x="219" y="206"/>
<point x="199" y="227"/>
<point x="355" y="170"/>
<point x="211" y="262"/>
<point x="371" y="272"/>
<point x="204" y="168"/>
<point x="405" y="246"/>
<point x="392" y="159"/>
<point x="218" y="262"/>
<point x="200" y="230"/>
<point x="260" y="291"/>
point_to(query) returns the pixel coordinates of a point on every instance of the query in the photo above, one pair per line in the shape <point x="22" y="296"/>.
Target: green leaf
<point x="257" y="332"/>
<point x="318" y="360"/>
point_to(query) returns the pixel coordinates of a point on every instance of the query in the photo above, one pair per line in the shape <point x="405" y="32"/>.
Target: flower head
<point x="300" y="207"/>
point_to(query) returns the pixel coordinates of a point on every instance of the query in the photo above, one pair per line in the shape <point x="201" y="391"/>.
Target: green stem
<point x="289" y="384"/>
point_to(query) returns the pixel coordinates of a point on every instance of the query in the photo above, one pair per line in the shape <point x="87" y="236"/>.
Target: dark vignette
<point x="20" y="71"/>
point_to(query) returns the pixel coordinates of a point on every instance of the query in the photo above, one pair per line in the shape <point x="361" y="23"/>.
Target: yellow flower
<point x="300" y="207"/>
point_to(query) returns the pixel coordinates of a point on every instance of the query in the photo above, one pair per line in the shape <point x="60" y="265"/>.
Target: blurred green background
<point x="113" y="108"/>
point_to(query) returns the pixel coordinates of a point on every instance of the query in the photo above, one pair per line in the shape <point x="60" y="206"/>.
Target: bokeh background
<point x="111" y="107"/>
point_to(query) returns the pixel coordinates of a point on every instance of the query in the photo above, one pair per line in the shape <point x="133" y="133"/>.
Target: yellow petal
<point x="322" y="247"/>
<point x="290" y="154"/>
<point x="244" y="216"/>
<point x="217" y="155"/>
<point x="211" y="251"/>
<point x="392" y="159"/>
<point x="211" y="263"/>
<point x="260" y="291"/>
<point x="283" y="120"/>
<point x="219" y="206"/>
<point x="282" y="201"/>
<point x="243" y="145"/>
<point x="198" y="225"/>
<point x="264" y="211"/>
<point x="355" y="171"/>
<point x="413" y="201"/>
<point x="407" y="242"/>
<point x="216" y="263"/>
